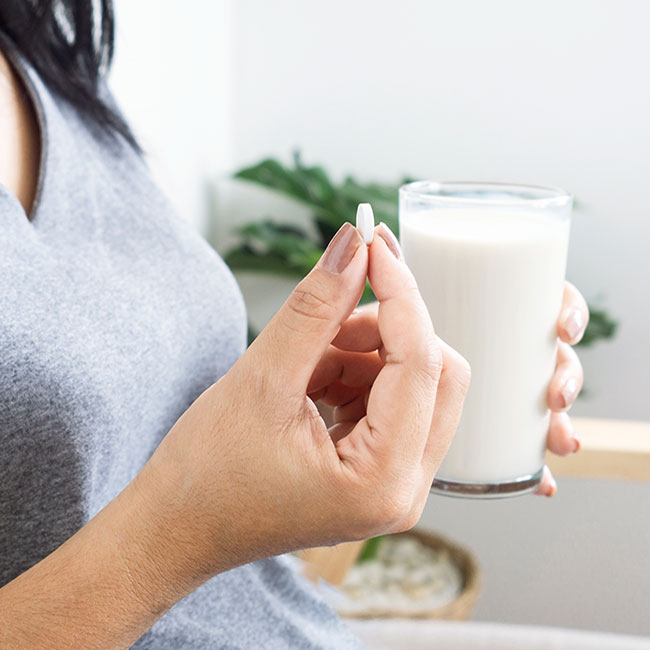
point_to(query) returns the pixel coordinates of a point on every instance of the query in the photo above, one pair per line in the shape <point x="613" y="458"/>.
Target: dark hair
<point x="70" y="44"/>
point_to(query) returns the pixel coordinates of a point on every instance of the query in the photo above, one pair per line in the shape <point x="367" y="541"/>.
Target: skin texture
<point x="19" y="135"/>
<point x="250" y="470"/>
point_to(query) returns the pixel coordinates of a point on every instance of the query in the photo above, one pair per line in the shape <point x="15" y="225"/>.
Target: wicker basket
<point x="459" y="609"/>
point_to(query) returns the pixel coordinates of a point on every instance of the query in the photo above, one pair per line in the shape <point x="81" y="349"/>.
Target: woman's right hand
<point x="251" y="470"/>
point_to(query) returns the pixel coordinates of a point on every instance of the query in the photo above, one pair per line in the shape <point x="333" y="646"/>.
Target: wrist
<point x="161" y="547"/>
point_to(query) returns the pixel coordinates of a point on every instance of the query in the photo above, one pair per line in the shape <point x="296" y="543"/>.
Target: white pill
<point x="366" y="221"/>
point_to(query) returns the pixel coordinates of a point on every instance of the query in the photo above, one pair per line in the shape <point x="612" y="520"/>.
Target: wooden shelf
<point x="610" y="449"/>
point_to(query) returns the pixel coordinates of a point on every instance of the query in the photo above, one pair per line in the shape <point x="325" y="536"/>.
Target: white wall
<point x="550" y="92"/>
<point x="171" y="76"/>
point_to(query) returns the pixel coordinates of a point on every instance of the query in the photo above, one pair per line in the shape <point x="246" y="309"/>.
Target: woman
<point x="149" y="465"/>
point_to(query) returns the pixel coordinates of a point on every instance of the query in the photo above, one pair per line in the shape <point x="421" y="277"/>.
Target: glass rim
<point x="542" y="196"/>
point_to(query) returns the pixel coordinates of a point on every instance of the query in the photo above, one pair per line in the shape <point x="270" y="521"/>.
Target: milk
<point x="492" y="280"/>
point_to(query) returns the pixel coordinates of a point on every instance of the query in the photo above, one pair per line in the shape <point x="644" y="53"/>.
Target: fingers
<point x="340" y="376"/>
<point x="400" y="406"/>
<point x="567" y="379"/>
<point x="561" y="438"/>
<point x="350" y="368"/>
<point x="360" y="331"/>
<point x="452" y="389"/>
<point x="548" y="486"/>
<point x="574" y="315"/>
<point x="289" y="348"/>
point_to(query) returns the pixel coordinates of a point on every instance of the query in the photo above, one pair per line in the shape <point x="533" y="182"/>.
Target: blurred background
<point x="551" y="93"/>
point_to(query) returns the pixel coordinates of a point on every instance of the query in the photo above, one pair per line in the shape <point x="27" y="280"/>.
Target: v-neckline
<point x="17" y="65"/>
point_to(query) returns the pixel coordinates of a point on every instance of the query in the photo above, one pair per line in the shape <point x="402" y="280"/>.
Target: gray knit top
<point x="114" y="316"/>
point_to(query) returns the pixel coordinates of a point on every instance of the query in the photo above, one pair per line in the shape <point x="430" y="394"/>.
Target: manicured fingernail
<point x="391" y="241"/>
<point x="569" y="391"/>
<point x="573" y="324"/>
<point x="574" y="437"/>
<point x="341" y="249"/>
<point x="576" y="443"/>
<point x="552" y="488"/>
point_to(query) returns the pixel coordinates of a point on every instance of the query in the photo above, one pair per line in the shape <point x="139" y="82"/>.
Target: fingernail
<point x="576" y="439"/>
<point x="552" y="488"/>
<point x="576" y="443"/>
<point x="573" y="324"/>
<point x="341" y="249"/>
<point x="569" y="391"/>
<point x="391" y="241"/>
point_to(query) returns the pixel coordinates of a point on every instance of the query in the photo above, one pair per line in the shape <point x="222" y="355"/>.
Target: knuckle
<point x="462" y="372"/>
<point x="432" y="361"/>
<point x="425" y="375"/>
<point x="410" y="521"/>
<point x="394" y="510"/>
<point x="378" y="515"/>
<point x="428" y="361"/>
<point x="311" y="302"/>
<point x="393" y="502"/>
<point x="423" y="384"/>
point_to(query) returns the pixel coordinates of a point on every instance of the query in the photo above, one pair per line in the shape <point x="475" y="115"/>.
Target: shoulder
<point x="19" y="137"/>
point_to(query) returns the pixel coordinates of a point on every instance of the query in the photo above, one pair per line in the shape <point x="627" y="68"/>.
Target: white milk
<point x="493" y="282"/>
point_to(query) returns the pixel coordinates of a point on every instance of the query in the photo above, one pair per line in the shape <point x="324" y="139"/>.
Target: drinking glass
<point x="490" y="260"/>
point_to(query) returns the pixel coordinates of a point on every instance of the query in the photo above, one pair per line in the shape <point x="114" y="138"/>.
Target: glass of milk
<point x="490" y="260"/>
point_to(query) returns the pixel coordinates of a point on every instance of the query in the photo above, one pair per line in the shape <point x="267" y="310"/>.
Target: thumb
<point x="292" y="344"/>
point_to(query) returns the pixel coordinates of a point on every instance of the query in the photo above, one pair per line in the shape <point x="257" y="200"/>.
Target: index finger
<point x="402" y="398"/>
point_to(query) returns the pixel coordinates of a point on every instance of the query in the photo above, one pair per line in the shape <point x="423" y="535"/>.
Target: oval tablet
<point x="366" y="221"/>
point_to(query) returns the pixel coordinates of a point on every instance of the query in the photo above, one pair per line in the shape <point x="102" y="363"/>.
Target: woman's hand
<point x="252" y="467"/>
<point x="566" y="382"/>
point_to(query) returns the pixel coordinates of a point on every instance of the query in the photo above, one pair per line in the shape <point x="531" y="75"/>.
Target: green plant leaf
<point x="272" y="247"/>
<point x="307" y="184"/>
<point x="331" y="204"/>
<point x="370" y="548"/>
<point x="268" y="228"/>
<point x="272" y="174"/>
<point x="243" y="259"/>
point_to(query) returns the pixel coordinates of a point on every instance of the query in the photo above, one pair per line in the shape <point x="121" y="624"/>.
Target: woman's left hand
<point x="566" y="382"/>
